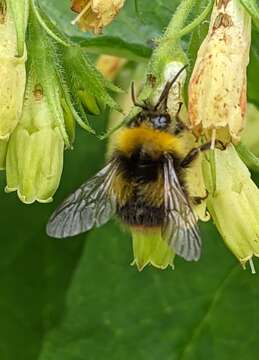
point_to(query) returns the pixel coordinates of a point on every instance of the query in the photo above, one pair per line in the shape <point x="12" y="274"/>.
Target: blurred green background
<point x="80" y="299"/>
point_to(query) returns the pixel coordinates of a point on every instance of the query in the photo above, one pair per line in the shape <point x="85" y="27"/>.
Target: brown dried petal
<point x="95" y="14"/>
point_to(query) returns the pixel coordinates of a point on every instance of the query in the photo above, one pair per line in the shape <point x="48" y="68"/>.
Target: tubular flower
<point x="150" y="249"/>
<point x="95" y="14"/>
<point x="217" y="89"/>
<point x="233" y="203"/>
<point x="35" y="152"/>
<point x="12" y="74"/>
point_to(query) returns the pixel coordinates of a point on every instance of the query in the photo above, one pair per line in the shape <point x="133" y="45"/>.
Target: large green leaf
<point x="199" y="311"/>
<point x="36" y="270"/>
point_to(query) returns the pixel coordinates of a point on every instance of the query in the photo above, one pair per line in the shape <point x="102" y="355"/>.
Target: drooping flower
<point x="94" y="15"/>
<point x="35" y="152"/>
<point x="217" y="89"/>
<point x="150" y="249"/>
<point x="233" y="203"/>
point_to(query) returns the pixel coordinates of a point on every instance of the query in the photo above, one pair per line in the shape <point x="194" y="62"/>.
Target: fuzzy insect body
<point x="143" y="184"/>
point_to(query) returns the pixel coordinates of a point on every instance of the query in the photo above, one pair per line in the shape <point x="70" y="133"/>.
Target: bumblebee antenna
<point x="165" y="92"/>
<point x="142" y="106"/>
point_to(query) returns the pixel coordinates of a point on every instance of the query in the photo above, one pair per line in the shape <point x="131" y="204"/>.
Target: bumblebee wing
<point x="93" y="204"/>
<point x="180" y="228"/>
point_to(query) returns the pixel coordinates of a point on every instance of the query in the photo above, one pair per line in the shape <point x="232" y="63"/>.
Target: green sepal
<point x="70" y="95"/>
<point x="85" y="76"/>
<point x="3" y="152"/>
<point x="209" y="172"/>
<point x="20" y="13"/>
<point x="69" y="120"/>
<point x="42" y="60"/>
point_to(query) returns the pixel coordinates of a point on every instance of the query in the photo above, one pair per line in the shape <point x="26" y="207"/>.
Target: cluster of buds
<point x="94" y="15"/>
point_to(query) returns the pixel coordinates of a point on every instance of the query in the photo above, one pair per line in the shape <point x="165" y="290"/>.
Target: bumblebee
<point x="143" y="183"/>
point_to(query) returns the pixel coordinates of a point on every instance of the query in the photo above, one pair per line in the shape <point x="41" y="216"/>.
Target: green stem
<point x="249" y="158"/>
<point x="172" y="32"/>
<point x="20" y="12"/>
<point x="47" y="28"/>
<point x="196" y="22"/>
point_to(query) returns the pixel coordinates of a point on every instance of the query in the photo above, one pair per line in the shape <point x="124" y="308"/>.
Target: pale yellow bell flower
<point x="233" y="203"/>
<point x="34" y="160"/>
<point x="217" y="88"/>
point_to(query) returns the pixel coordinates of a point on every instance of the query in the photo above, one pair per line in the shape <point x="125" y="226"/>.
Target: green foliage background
<point x="80" y="299"/>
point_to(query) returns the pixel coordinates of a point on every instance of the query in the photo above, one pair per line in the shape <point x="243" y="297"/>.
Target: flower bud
<point x="150" y="248"/>
<point x="234" y="203"/>
<point x="95" y="14"/>
<point x="35" y="152"/>
<point x="12" y="74"/>
<point x="89" y="102"/>
<point x="217" y="89"/>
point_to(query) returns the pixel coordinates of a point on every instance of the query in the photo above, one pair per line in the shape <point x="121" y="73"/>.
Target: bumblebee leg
<point x="193" y="154"/>
<point x="196" y="200"/>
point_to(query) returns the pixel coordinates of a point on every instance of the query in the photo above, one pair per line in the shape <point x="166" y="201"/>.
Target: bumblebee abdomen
<point x="137" y="212"/>
<point x="142" y="201"/>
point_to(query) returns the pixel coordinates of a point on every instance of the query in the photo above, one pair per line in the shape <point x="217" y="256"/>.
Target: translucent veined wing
<point x="180" y="228"/>
<point x="93" y="204"/>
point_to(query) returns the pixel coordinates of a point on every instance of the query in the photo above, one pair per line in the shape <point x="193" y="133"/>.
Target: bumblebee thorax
<point x="148" y="140"/>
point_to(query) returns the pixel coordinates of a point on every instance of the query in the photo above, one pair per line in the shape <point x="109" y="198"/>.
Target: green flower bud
<point x="150" y="248"/>
<point x="90" y="103"/>
<point x="234" y="203"/>
<point x="35" y="152"/>
<point x="12" y="74"/>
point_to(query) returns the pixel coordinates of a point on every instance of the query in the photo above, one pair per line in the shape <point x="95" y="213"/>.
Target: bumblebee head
<point x="160" y="121"/>
<point x="151" y="119"/>
<point x="155" y="116"/>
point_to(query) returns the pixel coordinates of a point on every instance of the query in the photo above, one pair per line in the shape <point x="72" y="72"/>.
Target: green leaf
<point x="251" y="161"/>
<point x="132" y="34"/>
<point x="35" y="269"/>
<point x="252" y="7"/>
<point x="198" y="311"/>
